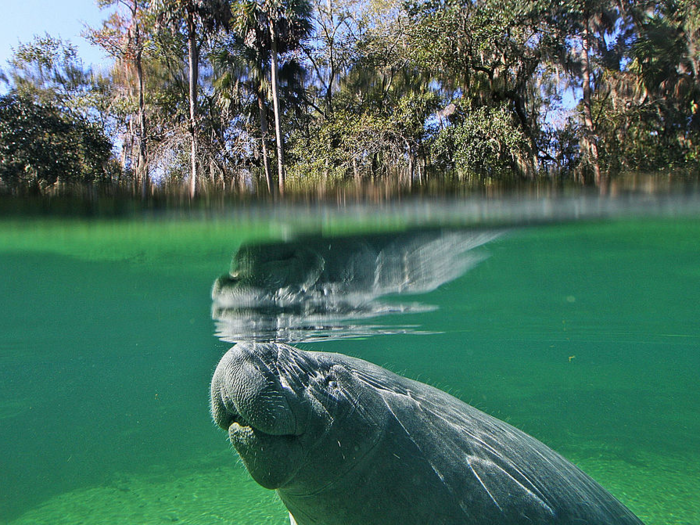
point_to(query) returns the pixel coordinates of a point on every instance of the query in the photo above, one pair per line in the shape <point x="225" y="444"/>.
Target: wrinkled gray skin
<point x="346" y="442"/>
<point x="343" y="273"/>
<point x="312" y="288"/>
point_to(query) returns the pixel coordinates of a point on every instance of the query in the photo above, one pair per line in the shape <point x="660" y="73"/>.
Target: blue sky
<point x="22" y="19"/>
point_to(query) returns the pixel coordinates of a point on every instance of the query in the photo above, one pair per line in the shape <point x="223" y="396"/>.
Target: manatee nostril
<point x="330" y="381"/>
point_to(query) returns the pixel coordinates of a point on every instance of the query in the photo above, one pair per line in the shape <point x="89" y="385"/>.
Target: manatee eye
<point x="330" y="381"/>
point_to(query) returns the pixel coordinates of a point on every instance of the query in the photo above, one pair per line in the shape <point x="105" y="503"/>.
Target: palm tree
<point x="194" y="18"/>
<point x="272" y="28"/>
<point x="240" y="67"/>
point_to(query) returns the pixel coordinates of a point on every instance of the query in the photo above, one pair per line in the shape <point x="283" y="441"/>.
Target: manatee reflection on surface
<point x="318" y="288"/>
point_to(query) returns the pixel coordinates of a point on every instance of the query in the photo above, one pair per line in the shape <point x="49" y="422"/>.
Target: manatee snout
<point x="246" y="391"/>
<point x="264" y="417"/>
<point x="235" y="291"/>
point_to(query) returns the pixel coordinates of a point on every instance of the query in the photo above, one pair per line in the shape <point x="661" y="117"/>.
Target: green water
<point x="583" y="334"/>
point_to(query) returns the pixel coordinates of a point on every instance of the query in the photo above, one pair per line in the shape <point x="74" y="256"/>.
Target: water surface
<point x="578" y="325"/>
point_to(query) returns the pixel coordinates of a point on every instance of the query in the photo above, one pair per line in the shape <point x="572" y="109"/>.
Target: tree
<point x="272" y="28"/>
<point x="54" y="123"/>
<point x="487" y="54"/>
<point x="586" y="26"/>
<point x="241" y="67"/>
<point x="644" y="84"/>
<point x="485" y="143"/>
<point x="666" y="58"/>
<point x="48" y="70"/>
<point x="41" y="143"/>
<point x="195" y="19"/>
<point x="376" y="123"/>
<point x="386" y="88"/>
<point x="122" y="37"/>
<point x="339" y="27"/>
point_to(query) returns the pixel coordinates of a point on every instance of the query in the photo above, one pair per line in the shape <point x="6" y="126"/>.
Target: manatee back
<point x="443" y="461"/>
<point x="497" y="473"/>
<point x="440" y="461"/>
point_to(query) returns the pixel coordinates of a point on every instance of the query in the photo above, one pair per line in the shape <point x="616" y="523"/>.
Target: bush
<point x="40" y="143"/>
<point x="485" y="143"/>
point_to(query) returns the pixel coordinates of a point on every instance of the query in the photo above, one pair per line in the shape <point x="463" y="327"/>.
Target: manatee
<point x="323" y="271"/>
<point x="346" y="442"/>
<point x="274" y="290"/>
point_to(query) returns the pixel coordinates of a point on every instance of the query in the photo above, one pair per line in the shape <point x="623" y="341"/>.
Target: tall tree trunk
<point x="276" y="106"/>
<point x="194" y="78"/>
<point x="589" y="136"/>
<point x="137" y="45"/>
<point x="126" y="149"/>
<point x="331" y="59"/>
<point x="263" y="132"/>
<point x="143" y="155"/>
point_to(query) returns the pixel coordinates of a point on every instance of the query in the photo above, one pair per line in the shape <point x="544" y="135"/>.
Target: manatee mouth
<point x="227" y="417"/>
<point x="248" y="395"/>
<point x="239" y="428"/>
<point x="240" y="432"/>
<point x="232" y="292"/>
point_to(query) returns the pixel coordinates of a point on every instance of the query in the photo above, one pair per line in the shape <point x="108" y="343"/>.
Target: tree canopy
<point x="212" y="93"/>
<point x="41" y="144"/>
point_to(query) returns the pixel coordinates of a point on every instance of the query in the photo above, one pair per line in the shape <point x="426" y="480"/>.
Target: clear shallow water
<point x="582" y="333"/>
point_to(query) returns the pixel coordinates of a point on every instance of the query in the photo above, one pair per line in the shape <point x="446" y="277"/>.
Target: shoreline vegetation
<point x="80" y="200"/>
<point x="311" y="98"/>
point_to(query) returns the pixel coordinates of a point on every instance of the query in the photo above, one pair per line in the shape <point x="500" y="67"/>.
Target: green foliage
<point x="486" y="143"/>
<point x="488" y="54"/>
<point x="49" y="70"/>
<point x="207" y="15"/>
<point x="40" y="144"/>
<point x="355" y="89"/>
<point x="366" y="140"/>
<point x="645" y="109"/>
<point x="290" y="20"/>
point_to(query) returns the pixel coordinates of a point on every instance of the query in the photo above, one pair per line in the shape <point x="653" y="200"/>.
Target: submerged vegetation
<point x="266" y="96"/>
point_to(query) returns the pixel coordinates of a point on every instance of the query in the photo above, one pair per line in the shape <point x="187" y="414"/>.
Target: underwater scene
<point x="574" y="319"/>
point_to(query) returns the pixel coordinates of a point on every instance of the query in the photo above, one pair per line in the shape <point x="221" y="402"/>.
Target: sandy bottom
<point x="222" y="495"/>
<point x="662" y="493"/>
